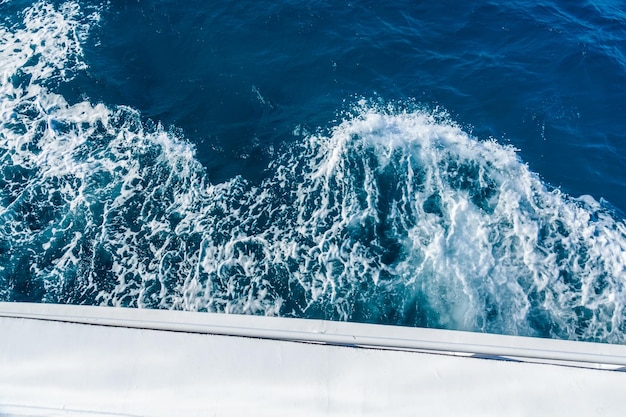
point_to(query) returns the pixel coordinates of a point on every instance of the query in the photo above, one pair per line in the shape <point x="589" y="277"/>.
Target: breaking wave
<point x="394" y="215"/>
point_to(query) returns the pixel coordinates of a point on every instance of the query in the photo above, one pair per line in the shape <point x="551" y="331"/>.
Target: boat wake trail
<point x="394" y="215"/>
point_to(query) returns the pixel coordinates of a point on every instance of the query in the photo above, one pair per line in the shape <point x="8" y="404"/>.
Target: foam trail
<point x="395" y="215"/>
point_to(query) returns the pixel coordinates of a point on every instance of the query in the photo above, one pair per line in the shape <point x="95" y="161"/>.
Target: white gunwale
<point x="460" y="343"/>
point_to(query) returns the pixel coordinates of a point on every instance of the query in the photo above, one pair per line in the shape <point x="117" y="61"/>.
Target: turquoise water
<point x="435" y="165"/>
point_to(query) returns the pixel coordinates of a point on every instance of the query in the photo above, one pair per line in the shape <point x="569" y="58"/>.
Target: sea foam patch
<point x="395" y="215"/>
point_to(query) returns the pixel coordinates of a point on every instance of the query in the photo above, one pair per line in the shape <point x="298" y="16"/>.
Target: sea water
<point x="441" y="164"/>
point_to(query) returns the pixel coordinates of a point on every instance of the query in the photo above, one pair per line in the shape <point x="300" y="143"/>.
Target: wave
<point x="394" y="215"/>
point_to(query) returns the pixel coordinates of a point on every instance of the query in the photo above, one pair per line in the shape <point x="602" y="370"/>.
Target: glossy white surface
<point x="59" y="368"/>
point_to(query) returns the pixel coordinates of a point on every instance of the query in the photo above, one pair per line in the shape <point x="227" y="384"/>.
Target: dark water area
<point x="437" y="164"/>
<point x="548" y="78"/>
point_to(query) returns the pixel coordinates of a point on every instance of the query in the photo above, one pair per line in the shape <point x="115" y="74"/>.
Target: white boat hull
<point x="69" y="360"/>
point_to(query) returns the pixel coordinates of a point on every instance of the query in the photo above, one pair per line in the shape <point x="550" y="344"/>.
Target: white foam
<point x="393" y="216"/>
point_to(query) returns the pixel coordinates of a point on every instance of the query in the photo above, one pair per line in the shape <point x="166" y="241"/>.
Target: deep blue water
<point x="440" y="164"/>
